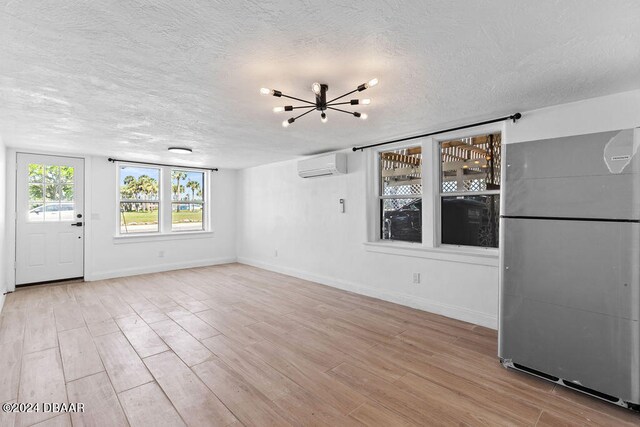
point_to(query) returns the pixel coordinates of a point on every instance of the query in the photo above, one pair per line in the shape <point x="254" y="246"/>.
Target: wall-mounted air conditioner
<point x="328" y="164"/>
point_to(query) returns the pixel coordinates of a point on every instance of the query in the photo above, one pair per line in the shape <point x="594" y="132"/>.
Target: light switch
<point x="342" y="205"/>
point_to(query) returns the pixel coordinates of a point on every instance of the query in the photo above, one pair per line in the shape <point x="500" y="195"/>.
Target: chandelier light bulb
<point x="285" y="124"/>
<point x="363" y="116"/>
<point x="316" y="88"/>
<point x="265" y="91"/>
<point x="365" y="101"/>
<point x="323" y="117"/>
<point x="372" y="82"/>
<point x="278" y="109"/>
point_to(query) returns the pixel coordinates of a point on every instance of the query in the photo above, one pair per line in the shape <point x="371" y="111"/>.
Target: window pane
<point x="187" y="185"/>
<point x="471" y="220"/>
<point x="52" y="174"/>
<point x="36" y="212"/>
<point x="139" y="183"/>
<point x="186" y="216"/>
<point x="471" y="164"/>
<point x="401" y="219"/>
<point x="66" y="174"/>
<point x="400" y="172"/>
<point x="36" y="173"/>
<point x="138" y="217"/>
<point x="36" y="193"/>
<point x="66" y="192"/>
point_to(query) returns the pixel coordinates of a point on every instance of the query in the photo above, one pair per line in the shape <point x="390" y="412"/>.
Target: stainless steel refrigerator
<point x="570" y="264"/>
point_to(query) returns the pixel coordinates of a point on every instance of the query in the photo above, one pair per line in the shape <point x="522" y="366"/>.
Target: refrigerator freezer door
<point x="570" y="301"/>
<point x="585" y="176"/>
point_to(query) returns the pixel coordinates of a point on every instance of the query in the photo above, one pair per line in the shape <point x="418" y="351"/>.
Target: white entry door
<point x="49" y="218"/>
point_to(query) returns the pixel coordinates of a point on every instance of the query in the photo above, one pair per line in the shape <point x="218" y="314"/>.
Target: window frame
<point x="431" y="247"/>
<point x="165" y="202"/>
<point x="379" y="190"/>
<point x="203" y="203"/>
<point x="439" y="194"/>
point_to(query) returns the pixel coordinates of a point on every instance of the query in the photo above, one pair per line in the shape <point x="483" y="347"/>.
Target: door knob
<point x="77" y="224"/>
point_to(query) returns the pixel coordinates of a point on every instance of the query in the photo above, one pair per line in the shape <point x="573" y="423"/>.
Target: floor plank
<point x="122" y="363"/>
<point x="147" y="405"/>
<point x="10" y="364"/>
<point x="79" y="355"/>
<point x="102" y="407"/>
<point x="197" y="405"/>
<point x="250" y="406"/>
<point x="41" y="381"/>
<point x="189" y="349"/>
<point x="143" y="339"/>
<point x="40" y="331"/>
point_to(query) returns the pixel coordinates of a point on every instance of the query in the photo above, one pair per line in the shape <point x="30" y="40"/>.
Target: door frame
<point x="11" y="209"/>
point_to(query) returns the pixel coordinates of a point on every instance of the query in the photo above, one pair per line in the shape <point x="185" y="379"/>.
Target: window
<point x="470" y="191"/>
<point x="400" y="194"/>
<point x="161" y="200"/>
<point x="187" y="200"/>
<point x="51" y="193"/>
<point x="139" y="199"/>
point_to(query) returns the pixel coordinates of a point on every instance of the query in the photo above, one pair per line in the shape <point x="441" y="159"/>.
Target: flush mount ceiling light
<point x="321" y="104"/>
<point x="180" y="150"/>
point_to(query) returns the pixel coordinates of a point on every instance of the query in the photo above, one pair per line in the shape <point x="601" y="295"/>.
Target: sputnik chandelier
<point x="321" y="104"/>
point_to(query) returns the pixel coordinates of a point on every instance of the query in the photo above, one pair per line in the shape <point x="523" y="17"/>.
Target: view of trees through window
<point x="187" y="202"/>
<point x="140" y="199"/>
<point x="51" y="193"/>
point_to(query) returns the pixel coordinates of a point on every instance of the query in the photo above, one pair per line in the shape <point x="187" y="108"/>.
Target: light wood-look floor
<point x="236" y="345"/>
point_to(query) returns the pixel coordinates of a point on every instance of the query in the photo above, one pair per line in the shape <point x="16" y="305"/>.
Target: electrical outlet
<point x="416" y="278"/>
<point x="160" y="254"/>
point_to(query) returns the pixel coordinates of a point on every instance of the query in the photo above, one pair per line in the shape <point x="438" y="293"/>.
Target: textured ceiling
<point x="131" y="78"/>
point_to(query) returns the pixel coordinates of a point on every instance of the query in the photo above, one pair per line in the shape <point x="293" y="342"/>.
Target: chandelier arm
<point x="342" y="111"/>
<point x="304" y="106"/>
<point x="298" y="99"/>
<point x="339" y="103"/>
<point x="342" y="96"/>
<point x="305" y="113"/>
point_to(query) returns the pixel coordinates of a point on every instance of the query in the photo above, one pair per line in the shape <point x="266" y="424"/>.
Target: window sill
<point x="459" y="254"/>
<point x="156" y="237"/>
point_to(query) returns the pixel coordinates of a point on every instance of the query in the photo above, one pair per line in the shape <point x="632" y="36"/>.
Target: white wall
<point x="300" y="218"/>
<point x="4" y="262"/>
<point x="109" y="257"/>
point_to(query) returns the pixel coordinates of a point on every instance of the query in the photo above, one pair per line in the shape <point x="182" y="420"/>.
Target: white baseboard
<point x="455" y="312"/>
<point x="102" y="275"/>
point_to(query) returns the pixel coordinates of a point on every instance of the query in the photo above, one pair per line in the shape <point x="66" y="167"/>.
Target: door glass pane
<point x="35" y="193"/>
<point x="186" y="216"/>
<point x="66" y="174"/>
<point x="52" y="174"/>
<point x="138" y="217"/>
<point x="51" y="191"/>
<point x="36" y="212"/>
<point x="401" y="219"/>
<point x="66" y="192"/>
<point x="52" y="211"/>
<point x="36" y="173"/>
